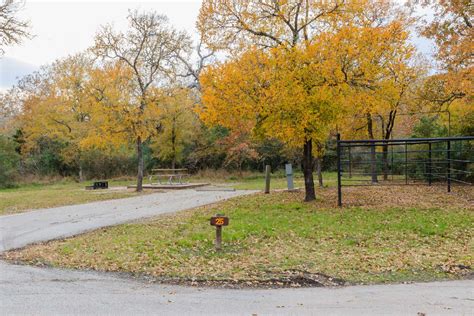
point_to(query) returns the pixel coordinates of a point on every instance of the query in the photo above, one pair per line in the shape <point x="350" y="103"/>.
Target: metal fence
<point x="432" y="161"/>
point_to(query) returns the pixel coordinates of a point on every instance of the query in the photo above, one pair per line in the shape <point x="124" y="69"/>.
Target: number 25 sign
<point x="219" y="221"/>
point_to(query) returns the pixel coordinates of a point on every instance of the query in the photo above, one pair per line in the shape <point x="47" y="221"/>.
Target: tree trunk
<point x="140" y="146"/>
<point x="386" y="135"/>
<point x="373" y="157"/>
<point x="81" y="173"/>
<point x="318" y="170"/>
<point x="308" y="165"/>
<point x="384" y="151"/>
<point x="173" y="144"/>
<point x="140" y="165"/>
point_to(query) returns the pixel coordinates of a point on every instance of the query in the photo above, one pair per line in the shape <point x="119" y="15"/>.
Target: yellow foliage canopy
<point x="299" y="93"/>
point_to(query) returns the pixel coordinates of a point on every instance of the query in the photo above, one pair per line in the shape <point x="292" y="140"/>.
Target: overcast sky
<point x="66" y="27"/>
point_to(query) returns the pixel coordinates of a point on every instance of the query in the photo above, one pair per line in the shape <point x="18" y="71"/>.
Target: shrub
<point x="9" y="160"/>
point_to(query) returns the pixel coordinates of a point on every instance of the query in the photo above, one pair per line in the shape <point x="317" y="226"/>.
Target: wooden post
<point x="267" y="179"/>
<point x="219" y="221"/>
<point x="218" y="238"/>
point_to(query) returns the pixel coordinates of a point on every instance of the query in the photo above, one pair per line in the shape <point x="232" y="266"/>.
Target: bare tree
<point x="149" y="48"/>
<point x="12" y="30"/>
<point x="192" y="70"/>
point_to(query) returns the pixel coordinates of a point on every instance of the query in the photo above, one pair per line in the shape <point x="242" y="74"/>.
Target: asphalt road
<point x="40" y="291"/>
<point x="19" y="230"/>
<point x="27" y="290"/>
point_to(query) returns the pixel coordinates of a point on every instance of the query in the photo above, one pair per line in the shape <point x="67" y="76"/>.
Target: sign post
<point x="219" y="221"/>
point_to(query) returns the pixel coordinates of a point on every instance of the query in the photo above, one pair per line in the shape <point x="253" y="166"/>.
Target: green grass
<point x="256" y="181"/>
<point x="34" y="196"/>
<point x="271" y="235"/>
<point x="278" y="181"/>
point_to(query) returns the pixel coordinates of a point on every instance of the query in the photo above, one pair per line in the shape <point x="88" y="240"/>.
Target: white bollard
<point x="289" y="176"/>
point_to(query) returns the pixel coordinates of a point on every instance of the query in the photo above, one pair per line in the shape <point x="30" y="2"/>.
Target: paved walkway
<point x="39" y="291"/>
<point x="19" y="230"/>
<point x="45" y="291"/>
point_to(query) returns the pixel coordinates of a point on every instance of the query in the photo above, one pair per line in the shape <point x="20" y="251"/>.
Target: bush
<point x="9" y="160"/>
<point x="429" y="127"/>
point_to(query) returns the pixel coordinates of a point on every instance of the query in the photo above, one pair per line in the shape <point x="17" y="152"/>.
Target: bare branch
<point x="150" y="48"/>
<point x="12" y="30"/>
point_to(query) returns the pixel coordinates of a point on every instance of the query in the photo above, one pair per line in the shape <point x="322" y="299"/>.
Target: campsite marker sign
<point x="219" y="221"/>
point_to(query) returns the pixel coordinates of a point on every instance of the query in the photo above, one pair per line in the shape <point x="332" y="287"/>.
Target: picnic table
<point x="177" y="175"/>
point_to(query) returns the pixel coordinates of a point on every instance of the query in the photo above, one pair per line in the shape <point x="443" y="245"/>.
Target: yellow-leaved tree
<point x="177" y="124"/>
<point x="274" y="94"/>
<point x="383" y="61"/>
<point x="238" y="26"/>
<point x="452" y="88"/>
<point x="303" y="65"/>
<point x="56" y="104"/>
<point x="150" y="49"/>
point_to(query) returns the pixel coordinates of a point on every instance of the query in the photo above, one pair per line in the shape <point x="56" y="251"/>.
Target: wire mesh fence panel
<point x="431" y="161"/>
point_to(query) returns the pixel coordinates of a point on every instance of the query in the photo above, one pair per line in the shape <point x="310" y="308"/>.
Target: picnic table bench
<point x="177" y="175"/>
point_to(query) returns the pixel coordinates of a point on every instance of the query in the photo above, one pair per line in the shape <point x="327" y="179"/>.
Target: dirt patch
<point x="400" y="196"/>
<point x="290" y="279"/>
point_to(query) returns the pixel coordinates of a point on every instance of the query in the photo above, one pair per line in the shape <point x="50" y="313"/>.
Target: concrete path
<point x="39" y="291"/>
<point x="19" y="230"/>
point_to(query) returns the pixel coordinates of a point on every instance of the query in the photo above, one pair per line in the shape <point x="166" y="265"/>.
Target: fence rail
<point x="408" y="161"/>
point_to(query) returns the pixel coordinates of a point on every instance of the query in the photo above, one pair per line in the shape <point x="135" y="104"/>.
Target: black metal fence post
<point x="448" y="173"/>
<point x="393" y="166"/>
<point x="406" y="163"/>
<point x="339" y="189"/>
<point x="350" y="162"/>
<point x="429" y="165"/>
